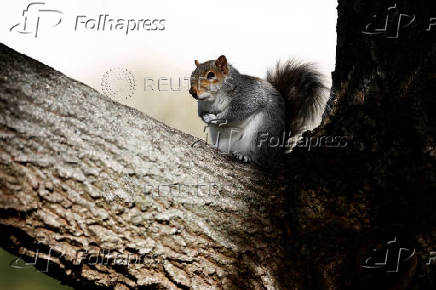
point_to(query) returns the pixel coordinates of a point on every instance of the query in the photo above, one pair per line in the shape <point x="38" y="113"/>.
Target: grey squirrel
<point x="249" y="116"/>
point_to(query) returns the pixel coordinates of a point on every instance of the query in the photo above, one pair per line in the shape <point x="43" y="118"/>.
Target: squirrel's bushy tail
<point x="305" y="95"/>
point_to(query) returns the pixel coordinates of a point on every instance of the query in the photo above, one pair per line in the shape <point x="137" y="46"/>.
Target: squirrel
<point x="248" y="116"/>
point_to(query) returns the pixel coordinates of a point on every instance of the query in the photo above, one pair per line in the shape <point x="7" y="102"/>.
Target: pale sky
<point x="252" y="34"/>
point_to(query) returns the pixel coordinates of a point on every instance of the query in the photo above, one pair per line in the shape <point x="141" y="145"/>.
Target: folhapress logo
<point x="36" y="15"/>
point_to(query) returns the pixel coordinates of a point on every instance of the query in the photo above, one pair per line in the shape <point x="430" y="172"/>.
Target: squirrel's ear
<point x="221" y="63"/>
<point x="196" y="63"/>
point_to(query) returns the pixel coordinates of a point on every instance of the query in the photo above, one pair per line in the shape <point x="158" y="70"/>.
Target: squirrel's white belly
<point x="237" y="137"/>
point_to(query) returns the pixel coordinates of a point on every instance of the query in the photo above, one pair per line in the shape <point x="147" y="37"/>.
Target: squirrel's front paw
<point x="241" y="157"/>
<point x="208" y="118"/>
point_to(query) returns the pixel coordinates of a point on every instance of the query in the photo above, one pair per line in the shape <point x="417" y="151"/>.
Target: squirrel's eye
<point x="210" y="75"/>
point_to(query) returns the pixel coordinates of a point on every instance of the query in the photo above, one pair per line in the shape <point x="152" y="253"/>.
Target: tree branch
<point x="80" y="173"/>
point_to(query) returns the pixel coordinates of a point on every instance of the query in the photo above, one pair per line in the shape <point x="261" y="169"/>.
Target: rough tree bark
<point x="80" y="173"/>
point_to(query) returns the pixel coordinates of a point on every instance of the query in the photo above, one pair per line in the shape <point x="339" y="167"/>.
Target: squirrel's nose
<point x="193" y="92"/>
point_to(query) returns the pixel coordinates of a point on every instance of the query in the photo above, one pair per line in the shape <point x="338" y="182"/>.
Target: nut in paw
<point x="241" y="157"/>
<point x="208" y="118"/>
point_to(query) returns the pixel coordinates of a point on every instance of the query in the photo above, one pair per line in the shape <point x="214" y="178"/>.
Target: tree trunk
<point x="101" y="195"/>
